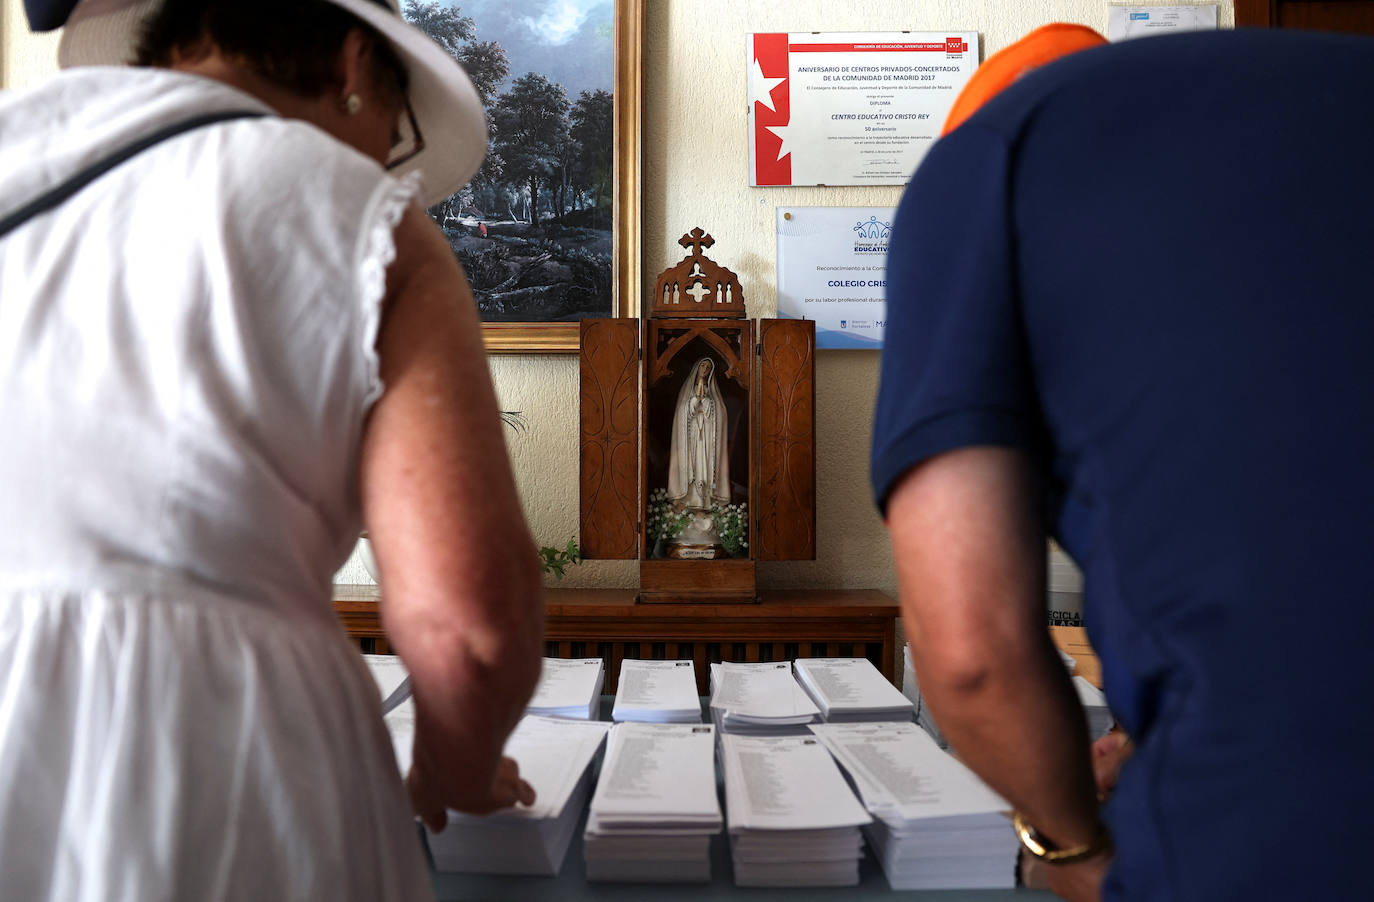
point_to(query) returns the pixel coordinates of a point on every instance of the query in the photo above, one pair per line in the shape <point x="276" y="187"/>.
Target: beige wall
<point x="695" y="175"/>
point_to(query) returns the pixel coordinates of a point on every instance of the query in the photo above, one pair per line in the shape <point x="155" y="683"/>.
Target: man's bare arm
<point x="970" y="556"/>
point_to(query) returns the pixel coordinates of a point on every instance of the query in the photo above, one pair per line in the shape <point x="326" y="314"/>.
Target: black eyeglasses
<point x="409" y="141"/>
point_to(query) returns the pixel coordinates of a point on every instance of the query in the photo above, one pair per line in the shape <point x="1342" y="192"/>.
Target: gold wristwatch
<point x="1046" y="852"/>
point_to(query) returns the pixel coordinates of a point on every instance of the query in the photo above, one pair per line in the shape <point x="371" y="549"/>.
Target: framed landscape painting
<point x="548" y="229"/>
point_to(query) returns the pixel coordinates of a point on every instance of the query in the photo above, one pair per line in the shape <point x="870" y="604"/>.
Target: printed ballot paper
<point x="398" y="710"/>
<point x="657" y="692"/>
<point x="912" y="690"/>
<point x="1095" y="709"/>
<point x="555" y="756"/>
<point x="760" y="700"/>
<point x="852" y="689"/>
<point x="793" y="819"/>
<point x="850" y="108"/>
<point x="654" y="810"/>
<point x="938" y="826"/>
<point x="570" y="689"/>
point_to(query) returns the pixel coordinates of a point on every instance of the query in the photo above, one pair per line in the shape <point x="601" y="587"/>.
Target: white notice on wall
<point x="1125" y="22"/>
<point x="832" y="268"/>
<point x="850" y="108"/>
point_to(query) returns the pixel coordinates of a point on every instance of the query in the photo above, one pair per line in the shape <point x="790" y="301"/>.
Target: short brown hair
<point x="291" y="43"/>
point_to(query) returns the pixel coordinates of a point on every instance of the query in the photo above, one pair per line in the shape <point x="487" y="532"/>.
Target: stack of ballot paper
<point x="570" y="689"/>
<point x="398" y="710"/>
<point x="851" y="690"/>
<point x="760" y="700"/>
<point x="938" y="826"/>
<point x="657" y="692"/>
<point x="912" y="690"/>
<point x="1100" y="718"/>
<point x="555" y="757"/>
<point x="793" y="819"/>
<point x="655" y="809"/>
<point x="1070" y="662"/>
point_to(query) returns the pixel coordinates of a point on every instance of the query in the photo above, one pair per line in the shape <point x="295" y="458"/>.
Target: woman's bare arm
<point x="461" y="601"/>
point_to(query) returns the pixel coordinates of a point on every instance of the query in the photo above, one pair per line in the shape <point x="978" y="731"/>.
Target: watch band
<point x="1039" y="847"/>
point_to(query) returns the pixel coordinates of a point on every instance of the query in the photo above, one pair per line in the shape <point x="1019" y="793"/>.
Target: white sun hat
<point x="446" y="105"/>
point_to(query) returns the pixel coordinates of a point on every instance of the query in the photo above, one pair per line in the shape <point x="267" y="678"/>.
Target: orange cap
<point x="1044" y="45"/>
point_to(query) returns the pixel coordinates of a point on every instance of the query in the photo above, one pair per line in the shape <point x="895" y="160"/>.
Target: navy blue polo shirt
<point x="1150" y="266"/>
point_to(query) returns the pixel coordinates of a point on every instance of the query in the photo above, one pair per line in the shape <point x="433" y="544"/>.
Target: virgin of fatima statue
<point x="699" y="457"/>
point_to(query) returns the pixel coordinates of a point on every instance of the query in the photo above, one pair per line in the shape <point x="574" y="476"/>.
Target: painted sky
<point x="571" y="42"/>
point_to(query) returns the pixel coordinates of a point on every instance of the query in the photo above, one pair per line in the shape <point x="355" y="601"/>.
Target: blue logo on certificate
<point x="873" y="229"/>
<point x="1140" y="17"/>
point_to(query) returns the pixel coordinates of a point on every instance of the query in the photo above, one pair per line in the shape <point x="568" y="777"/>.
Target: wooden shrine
<point x="697" y="440"/>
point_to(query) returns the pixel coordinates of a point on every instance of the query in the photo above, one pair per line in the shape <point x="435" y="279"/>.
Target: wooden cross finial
<point x="695" y="240"/>
<point x="697" y="287"/>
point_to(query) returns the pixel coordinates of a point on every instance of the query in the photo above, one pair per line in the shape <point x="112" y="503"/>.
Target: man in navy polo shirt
<point x="1131" y="305"/>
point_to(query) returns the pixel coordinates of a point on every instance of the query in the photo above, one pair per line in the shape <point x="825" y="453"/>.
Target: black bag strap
<point x="59" y="193"/>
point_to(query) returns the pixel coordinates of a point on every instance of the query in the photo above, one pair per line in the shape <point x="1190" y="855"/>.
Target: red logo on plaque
<point x="955" y="45"/>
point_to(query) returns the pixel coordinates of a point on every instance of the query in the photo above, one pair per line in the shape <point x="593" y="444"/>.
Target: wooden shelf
<point x="607" y="623"/>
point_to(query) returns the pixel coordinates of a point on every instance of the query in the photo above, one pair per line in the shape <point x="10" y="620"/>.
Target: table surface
<point x="571" y="883"/>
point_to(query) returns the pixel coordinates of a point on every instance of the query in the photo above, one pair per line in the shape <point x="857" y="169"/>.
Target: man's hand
<point x="1109" y="754"/>
<point x="1083" y="881"/>
<point x="1080" y="881"/>
<point x="432" y="792"/>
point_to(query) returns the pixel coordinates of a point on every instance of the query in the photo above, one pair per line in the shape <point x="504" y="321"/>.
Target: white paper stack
<point x="793" y="819"/>
<point x="555" y="757"/>
<point x="655" y="808"/>
<point x="570" y="689"/>
<point x="1070" y="662"/>
<point x="912" y="690"/>
<point x="398" y="710"/>
<point x="657" y="692"/>
<point x="760" y="700"/>
<point x="851" y="690"/>
<point x="1100" y="717"/>
<point x="938" y="826"/>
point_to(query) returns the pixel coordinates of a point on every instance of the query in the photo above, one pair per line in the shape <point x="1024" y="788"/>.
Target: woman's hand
<point x="432" y="794"/>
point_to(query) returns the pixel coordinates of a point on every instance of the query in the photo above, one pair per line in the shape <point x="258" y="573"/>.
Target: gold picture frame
<point x="513" y="338"/>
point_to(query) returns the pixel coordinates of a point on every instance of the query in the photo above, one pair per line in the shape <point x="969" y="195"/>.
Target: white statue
<point x="699" y="456"/>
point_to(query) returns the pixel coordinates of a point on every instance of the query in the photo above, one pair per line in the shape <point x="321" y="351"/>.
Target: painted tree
<point x="485" y="61"/>
<point x="530" y="126"/>
<point x="486" y="64"/>
<point x="593" y="129"/>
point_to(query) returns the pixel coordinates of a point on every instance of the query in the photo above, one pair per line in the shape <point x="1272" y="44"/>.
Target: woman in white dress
<point x="219" y="358"/>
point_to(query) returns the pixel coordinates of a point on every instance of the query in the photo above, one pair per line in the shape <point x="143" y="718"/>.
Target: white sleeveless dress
<point x="186" y="361"/>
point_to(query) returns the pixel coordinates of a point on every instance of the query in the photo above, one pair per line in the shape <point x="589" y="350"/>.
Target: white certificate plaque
<point x="832" y="268"/>
<point x="849" y="108"/>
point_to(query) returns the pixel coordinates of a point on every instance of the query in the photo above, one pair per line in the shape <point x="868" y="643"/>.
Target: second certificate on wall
<point x="832" y="264"/>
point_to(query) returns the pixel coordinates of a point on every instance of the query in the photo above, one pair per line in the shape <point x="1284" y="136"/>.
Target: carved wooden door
<point x="785" y="514"/>
<point x="608" y="478"/>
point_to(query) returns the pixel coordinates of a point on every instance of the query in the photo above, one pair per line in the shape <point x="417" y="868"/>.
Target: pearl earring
<point x="352" y="104"/>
